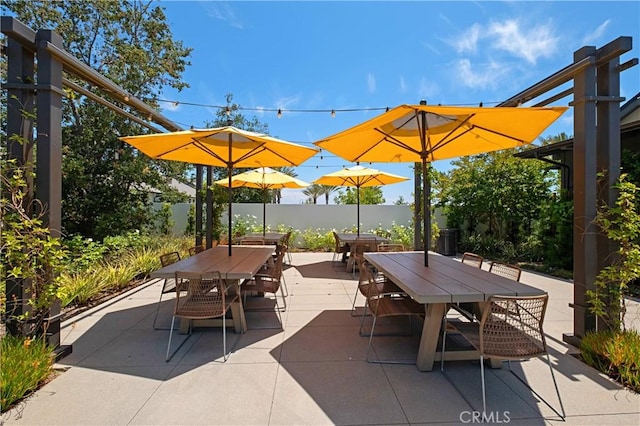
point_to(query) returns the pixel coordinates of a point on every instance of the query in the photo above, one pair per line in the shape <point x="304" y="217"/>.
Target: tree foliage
<point x="496" y="189"/>
<point x="621" y="224"/>
<point x="130" y="42"/>
<point x="368" y="195"/>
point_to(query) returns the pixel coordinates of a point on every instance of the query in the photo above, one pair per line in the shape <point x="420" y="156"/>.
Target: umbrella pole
<point x="426" y="194"/>
<point x="358" y="214"/>
<point x="264" y="212"/>
<point x="229" y="172"/>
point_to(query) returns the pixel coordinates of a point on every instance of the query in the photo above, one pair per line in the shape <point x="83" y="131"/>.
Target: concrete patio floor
<point x="313" y="372"/>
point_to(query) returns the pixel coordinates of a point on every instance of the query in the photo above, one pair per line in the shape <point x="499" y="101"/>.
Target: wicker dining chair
<point x="506" y="270"/>
<point x="340" y="250"/>
<point x="472" y="259"/>
<point x="169" y="284"/>
<point x="384" y="285"/>
<point x="196" y="249"/>
<point x="200" y="296"/>
<point x="387" y="304"/>
<point x="286" y="242"/>
<point x="468" y="310"/>
<point x="510" y="329"/>
<point x="361" y="246"/>
<point x="269" y="281"/>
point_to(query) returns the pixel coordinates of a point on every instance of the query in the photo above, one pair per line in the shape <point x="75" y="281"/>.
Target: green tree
<point x="313" y="192"/>
<point x="496" y="189"/>
<point x="130" y="42"/>
<point x="368" y="195"/>
<point x="327" y="190"/>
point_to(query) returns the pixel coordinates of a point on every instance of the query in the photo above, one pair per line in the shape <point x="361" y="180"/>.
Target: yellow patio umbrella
<point x="227" y="146"/>
<point x="422" y="133"/>
<point x="359" y="176"/>
<point x="263" y="178"/>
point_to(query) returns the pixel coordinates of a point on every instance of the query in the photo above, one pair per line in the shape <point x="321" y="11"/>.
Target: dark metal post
<point x="209" y="207"/>
<point x="585" y="259"/>
<point x="20" y="108"/>
<point x="49" y="143"/>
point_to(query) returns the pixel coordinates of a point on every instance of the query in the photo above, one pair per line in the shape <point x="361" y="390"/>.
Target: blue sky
<point x="367" y="55"/>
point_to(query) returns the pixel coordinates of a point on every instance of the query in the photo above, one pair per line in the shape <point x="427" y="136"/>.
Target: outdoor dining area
<point x="323" y="359"/>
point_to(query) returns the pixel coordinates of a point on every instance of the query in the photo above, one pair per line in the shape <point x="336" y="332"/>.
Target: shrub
<point x="615" y="353"/>
<point x="314" y="239"/>
<point x="26" y="364"/>
<point x="78" y="288"/>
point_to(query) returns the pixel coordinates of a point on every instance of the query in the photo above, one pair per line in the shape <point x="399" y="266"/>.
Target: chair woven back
<point x="337" y="241"/>
<point x="506" y="270"/>
<point x="169" y="258"/>
<point x="195" y="250"/>
<point x="511" y="327"/>
<point x="199" y="296"/>
<point x="252" y="242"/>
<point x="363" y="245"/>
<point x="390" y="247"/>
<point x="472" y="259"/>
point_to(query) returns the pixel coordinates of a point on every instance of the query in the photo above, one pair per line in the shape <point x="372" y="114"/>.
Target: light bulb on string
<point x="333" y="113"/>
<point x="279" y="113"/>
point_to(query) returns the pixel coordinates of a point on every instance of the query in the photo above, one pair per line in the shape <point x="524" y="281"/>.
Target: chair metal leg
<point x="484" y="396"/>
<point x="382" y="361"/>
<point x="224" y="338"/>
<point x="555" y="384"/>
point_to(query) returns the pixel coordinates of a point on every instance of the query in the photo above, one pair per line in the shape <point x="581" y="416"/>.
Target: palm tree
<point x="276" y="194"/>
<point x="313" y="192"/>
<point x="327" y="190"/>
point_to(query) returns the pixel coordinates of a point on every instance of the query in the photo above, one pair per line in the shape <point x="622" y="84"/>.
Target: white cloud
<point x="528" y="44"/>
<point x="427" y="89"/>
<point x="222" y="11"/>
<point x="403" y="85"/>
<point x="597" y="33"/>
<point x="371" y="83"/>
<point x="468" y="41"/>
<point x="480" y="76"/>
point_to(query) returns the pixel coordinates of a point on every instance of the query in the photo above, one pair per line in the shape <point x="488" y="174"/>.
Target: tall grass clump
<point x="26" y="364"/>
<point x="616" y="354"/>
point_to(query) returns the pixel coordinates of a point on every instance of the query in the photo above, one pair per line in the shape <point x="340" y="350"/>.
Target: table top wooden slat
<point x="444" y="280"/>
<point x="416" y="284"/>
<point x="244" y="262"/>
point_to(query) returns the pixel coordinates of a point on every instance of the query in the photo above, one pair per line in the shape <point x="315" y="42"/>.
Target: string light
<point x="175" y="104"/>
<point x="333" y="113"/>
<point x="279" y="113"/>
<point x="480" y="104"/>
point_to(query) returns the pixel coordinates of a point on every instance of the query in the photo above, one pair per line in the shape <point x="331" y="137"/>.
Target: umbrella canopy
<point x="263" y="178"/>
<point x="421" y="133"/>
<point x="359" y="176"/>
<point x="227" y="146"/>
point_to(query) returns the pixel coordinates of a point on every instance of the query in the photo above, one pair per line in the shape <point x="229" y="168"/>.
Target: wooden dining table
<point x="268" y="237"/>
<point x="444" y="281"/>
<point x="353" y="240"/>
<point x="244" y="263"/>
